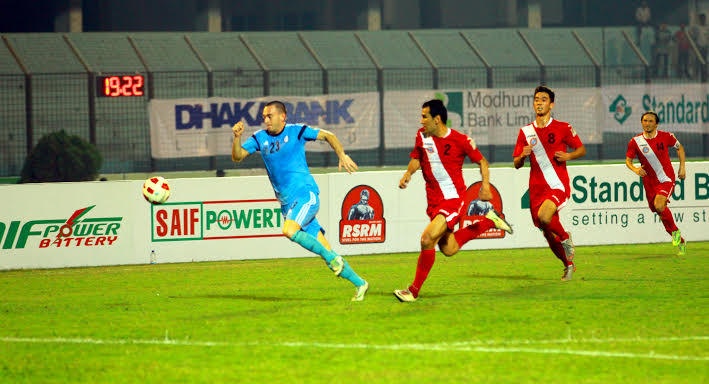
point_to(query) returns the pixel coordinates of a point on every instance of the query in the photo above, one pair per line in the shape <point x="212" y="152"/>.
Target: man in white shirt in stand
<point x="642" y="16"/>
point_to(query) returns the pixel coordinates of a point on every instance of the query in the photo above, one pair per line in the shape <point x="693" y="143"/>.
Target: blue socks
<point x="349" y="274"/>
<point x="312" y="244"/>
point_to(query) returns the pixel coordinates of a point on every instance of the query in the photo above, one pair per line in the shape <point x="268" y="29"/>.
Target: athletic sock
<point x="555" y="227"/>
<point x="667" y="221"/>
<point x="312" y="244"/>
<point x="472" y="231"/>
<point x="349" y="274"/>
<point x="556" y="247"/>
<point x="425" y="263"/>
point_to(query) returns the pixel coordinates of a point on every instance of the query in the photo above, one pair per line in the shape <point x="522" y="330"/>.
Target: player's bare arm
<point x="519" y="160"/>
<point x="237" y="152"/>
<point x="638" y="170"/>
<point x="566" y="156"/>
<point x="345" y="160"/>
<point x="414" y="165"/>
<point x="682" y="173"/>
<point x="485" y="193"/>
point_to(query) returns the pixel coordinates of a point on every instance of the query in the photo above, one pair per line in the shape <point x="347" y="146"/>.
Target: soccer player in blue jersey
<point x="282" y="148"/>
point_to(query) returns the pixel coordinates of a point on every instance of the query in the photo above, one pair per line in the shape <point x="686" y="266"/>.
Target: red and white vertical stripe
<point x="649" y="155"/>
<point x="540" y="154"/>
<point x="445" y="182"/>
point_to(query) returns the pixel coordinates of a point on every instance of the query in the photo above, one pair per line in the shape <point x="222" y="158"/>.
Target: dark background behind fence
<point x="47" y="81"/>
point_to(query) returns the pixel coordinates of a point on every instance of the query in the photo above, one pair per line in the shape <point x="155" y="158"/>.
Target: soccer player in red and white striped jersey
<point x="545" y="142"/>
<point x="652" y="148"/>
<point x="440" y="152"/>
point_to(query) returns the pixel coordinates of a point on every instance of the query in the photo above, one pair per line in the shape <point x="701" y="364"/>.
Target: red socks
<point x="428" y="256"/>
<point x="470" y="232"/>
<point x="555" y="227"/>
<point x="667" y="220"/>
<point x="425" y="263"/>
<point x="556" y="247"/>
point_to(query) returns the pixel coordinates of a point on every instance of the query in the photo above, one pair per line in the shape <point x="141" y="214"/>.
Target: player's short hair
<point x="657" y="118"/>
<point x="280" y="106"/>
<point x="437" y="109"/>
<point x="546" y="90"/>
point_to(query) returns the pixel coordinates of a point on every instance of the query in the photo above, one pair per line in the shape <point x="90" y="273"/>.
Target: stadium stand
<point x="13" y="139"/>
<point x="403" y="65"/>
<point x="349" y="69"/>
<point x="59" y="87"/>
<point x="54" y="88"/>
<point x="457" y="64"/>
<point x="513" y="64"/>
<point x="120" y="122"/>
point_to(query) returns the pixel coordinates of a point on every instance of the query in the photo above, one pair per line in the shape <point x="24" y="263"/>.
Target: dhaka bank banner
<point x="202" y="127"/>
<point x="680" y="108"/>
<point x="490" y="116"/>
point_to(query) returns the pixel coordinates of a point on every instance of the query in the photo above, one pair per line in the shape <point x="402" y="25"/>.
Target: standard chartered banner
<point x="608" y="206"/>
<point x="681" y="108"/>
<point x="202" y="127"/>
<point x="490" y="116"/>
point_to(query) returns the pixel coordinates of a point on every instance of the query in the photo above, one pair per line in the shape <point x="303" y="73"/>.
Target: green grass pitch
<point x="633" y="314"/>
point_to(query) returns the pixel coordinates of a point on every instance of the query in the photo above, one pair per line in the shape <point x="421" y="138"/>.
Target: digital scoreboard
<point x="120" y="86"/>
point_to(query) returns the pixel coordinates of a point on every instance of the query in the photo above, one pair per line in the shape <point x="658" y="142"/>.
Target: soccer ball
<point x="156" y="190"/>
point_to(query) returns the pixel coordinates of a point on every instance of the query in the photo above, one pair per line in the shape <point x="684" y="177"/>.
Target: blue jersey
<point x="284" y="157"/>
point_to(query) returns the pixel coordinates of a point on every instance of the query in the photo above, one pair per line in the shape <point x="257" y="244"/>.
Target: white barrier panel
<point x="226" y="218"/>
<point x="202" y="127"/>
<point x="96" y="221"/>
<point x="608" y="206"/>
<point x="233" y="218"/>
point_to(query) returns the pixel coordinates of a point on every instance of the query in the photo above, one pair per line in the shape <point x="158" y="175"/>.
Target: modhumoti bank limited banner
<point x="490" y="116"/>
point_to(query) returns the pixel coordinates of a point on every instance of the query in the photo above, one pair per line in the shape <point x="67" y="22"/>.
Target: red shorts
<point x="653" y="189"/>
<point x="450" y="209"/>
<point x="556" y="196"/>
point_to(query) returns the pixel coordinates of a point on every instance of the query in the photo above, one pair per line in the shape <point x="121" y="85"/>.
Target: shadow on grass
<point x="453" y="294"/>
<point x="250" y="298"/>
<point x="654" y="257"/>
<point x="508" y="277"/>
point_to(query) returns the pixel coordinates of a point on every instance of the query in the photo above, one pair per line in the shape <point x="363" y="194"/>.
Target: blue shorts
<point x="302" y="210"/>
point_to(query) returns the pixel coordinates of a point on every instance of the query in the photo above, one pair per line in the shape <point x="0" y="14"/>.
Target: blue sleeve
<point x="251" y="144"/>
<point x="307" y="133"/>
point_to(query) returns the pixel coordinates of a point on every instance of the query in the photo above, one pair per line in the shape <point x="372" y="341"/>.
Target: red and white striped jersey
<point x="547" y="173"/>
<point x="654" y="155"/>
<point x="442" y="163"/>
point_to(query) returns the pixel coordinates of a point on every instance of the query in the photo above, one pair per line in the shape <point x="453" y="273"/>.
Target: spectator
<point x="663" y="37"/>
<point x="700" y="34"/>
<point x="642" y="16"/>
<point x="682" y="52"/>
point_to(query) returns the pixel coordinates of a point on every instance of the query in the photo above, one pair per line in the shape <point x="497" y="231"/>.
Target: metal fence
<point x="35" y="104"/>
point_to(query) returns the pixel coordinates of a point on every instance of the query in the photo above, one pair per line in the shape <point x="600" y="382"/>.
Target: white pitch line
<point x="569" y="340"/>
<point x="450" y="347"/>
<point x="74" y="340"/>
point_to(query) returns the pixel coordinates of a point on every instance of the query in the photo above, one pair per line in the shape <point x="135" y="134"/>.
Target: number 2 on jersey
<point x="448" y="148"/>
